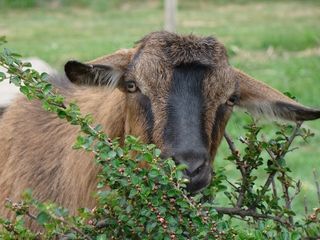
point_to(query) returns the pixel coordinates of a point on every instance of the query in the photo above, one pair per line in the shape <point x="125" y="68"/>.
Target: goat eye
<point x="131" y="86"/>
<point x="232" y="100"/>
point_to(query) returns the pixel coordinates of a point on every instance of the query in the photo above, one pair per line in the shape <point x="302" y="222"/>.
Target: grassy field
<point x="277" y="42"/>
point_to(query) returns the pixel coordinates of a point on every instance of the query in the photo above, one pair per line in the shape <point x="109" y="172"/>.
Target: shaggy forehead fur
<point x="178" y="49"/>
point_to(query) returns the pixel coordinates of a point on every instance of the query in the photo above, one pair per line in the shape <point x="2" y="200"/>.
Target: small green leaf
<point x="15" y="80"/>
<point x="98" y="128"/>
<point x="27" y="195"/>
<point x="44" y="76"/>
<point x="43" y="218"/>
<point x="102" y="237"/>
<point x="2" y="76"/>
<point x="133" y="192"/>
<point x="148" y="157"/>
<point x="296" y="236"/>
<point x="112" y="154"/>
<point x="120" y="152"/>
<point x="24" y="90"/>
<point x="151" y="226"/>
<point x="71" y="236"/>
<point x="61" y="113"/>
<point x="157" y="152"/>
<point x="47" y="88"/>
<point x="172" y="193"/>
<point x="79" y="142"/>
<point x="153" y="173"/>
<point x="182" y="167"/>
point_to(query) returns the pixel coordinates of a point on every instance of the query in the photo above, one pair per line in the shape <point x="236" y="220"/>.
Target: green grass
<point x="277" y="42"/>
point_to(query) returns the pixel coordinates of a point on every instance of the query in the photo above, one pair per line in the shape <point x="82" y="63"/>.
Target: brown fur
<point x="36" y="151"/>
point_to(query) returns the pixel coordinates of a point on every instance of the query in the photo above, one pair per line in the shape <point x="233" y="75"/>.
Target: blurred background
<point x="275" y="41"/>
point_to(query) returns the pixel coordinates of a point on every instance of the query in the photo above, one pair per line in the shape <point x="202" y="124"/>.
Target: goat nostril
<point x="198" y="170"/>
<point x="187" y="172"/>
<point x="176" y="161"/>
<point x="196" y="162"/>
<point x="195" y="172"/>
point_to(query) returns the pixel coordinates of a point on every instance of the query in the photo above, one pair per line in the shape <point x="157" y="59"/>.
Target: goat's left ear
<point x="105" y="71"/>
<point x="259" y="98"/>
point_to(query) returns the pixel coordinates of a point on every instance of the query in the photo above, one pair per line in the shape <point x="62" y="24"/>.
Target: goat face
<point x="180" y="92"/>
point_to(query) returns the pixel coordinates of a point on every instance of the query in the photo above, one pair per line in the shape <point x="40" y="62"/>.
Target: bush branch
<point x="316" y="180"/>
<point x="282" y="154"/>
<point x="240" y="166"/>
<point x="74" y="228"/>
<point x="250" y="213"/>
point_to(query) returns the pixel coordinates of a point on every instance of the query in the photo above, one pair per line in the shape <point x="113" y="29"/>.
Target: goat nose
<point x="195" y="161"/>
<point x="198" y="169"/>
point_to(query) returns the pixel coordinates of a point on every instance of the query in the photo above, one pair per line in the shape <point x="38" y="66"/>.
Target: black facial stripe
<point x="146" y="108"/>
<point x="185" y="110"/>
<point x="219" y="118"/>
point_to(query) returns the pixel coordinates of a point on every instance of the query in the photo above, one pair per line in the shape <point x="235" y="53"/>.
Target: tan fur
<point x="38" y="152"/>
<point x="251" y="90"/>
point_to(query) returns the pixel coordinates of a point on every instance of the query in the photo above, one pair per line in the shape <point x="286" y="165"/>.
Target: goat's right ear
<point x="92" y="74"/>
<point x="107" y="70"/>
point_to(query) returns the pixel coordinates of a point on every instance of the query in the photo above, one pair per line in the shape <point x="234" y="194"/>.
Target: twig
<point x="10" y="228"/>
<point x="242" y="169"/>
<point x="279" y="156"/>
<point x="30" y="215"/>
<point x="275" y="159"/>
<point x="317" y="184"/>
<point x="250" y="213"/>
<point x="232" y="185"/>
<point x="101" y="224"/>
<point x="274" y="189"/>
<point x="285" y="189"/>
<point x="291" y="138"/>
<point x="74" y="228"/>
<point x="224" y="210"/>
<point x="232" y="147"/>
<point x="305" y="205"/>
<point x="297" y="191"/>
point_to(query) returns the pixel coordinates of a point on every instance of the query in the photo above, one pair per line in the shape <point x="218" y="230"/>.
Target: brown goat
<point x="175" y="91"/>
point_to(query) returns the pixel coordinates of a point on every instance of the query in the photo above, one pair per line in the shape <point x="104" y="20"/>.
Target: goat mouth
<point x="199" y="183"/>
<point x="196" y="188"/>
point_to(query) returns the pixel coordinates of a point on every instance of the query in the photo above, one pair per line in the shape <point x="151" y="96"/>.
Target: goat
<point x="177" y="92"/>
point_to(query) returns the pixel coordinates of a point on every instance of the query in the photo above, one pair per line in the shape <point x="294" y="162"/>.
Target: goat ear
<point x="106" y="71"/>
<point x="87" y="74"/>
<point x="259" y="98"/>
